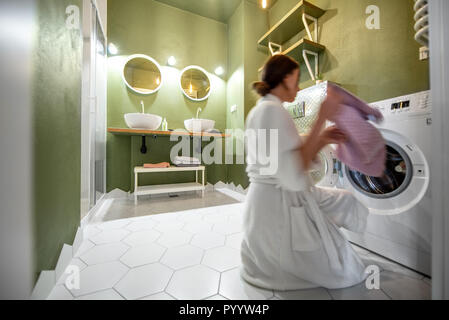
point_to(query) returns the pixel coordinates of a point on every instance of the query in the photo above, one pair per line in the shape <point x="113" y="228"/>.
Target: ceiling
<point x="220" y="10"/>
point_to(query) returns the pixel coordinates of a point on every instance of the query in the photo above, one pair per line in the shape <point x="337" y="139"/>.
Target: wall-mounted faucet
<point x="198" y="112"/>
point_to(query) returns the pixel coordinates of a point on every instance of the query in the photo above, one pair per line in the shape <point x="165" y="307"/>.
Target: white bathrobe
<point x="291" y="229"/>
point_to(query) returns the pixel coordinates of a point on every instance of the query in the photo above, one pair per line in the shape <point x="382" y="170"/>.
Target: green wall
<point x="160" y="31"/>
<point x="373" y="64"/>
<point x="57" y="132"/>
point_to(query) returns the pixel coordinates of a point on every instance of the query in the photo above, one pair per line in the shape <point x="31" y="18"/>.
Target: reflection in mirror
<point x="142" y="74"/>
<point x="195" y="83"/>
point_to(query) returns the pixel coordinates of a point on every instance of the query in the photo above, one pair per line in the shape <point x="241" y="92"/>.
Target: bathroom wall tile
<point x="194" y="283"/>
<point x="181" y="257"/>
<point x="144" y="281"/>
<point x="100" y="277"/>
<point x="216" y="297"/>
<point x="222" y="258"/>
<point x="208" y="240"/>
<point x="142" y="237"/>
<point x="233" y="287"/>
<point x="104" y="253"/>
<point x="142" y="255"/>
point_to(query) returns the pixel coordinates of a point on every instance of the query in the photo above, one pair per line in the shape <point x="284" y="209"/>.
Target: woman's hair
<point x="274" y="72"/>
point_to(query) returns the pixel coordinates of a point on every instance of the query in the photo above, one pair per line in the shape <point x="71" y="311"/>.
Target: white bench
<point x="167" y="188"/>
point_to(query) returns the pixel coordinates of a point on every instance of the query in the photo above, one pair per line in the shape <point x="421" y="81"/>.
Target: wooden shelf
<point x="295" y="51"/>
<point x="138" y="132"/>
<point x="291" y="24"/>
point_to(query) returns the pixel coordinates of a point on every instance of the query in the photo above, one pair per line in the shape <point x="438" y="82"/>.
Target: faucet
<point x="198" y="112"/>
<point x="143" y="106"/>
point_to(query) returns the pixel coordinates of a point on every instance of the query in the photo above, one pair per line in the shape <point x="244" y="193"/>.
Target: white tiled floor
<point x="195" y="254"/>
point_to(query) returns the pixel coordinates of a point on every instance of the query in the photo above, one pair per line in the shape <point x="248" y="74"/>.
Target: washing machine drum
<point x="403" y="184"/>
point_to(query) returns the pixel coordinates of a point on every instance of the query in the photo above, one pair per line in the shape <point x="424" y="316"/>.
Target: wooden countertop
<point x="138" y="132"/>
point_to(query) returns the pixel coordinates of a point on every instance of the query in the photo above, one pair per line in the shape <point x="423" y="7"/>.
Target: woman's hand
<point x="332" y="135"/>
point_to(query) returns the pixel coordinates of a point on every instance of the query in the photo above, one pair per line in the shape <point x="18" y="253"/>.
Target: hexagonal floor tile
<point x="159" y="296"/>
<point x="74" y="262"/>
<point x="233" y="287"/>
<point x="198" y="226"/>
<point x="60" y="293"/>
<point x="114" y="224"/>
<point x="208" y="240"/>
<point x="147" y="224"/>
<point x="100" y="277"/>
<point x="110" y="236"/>
<point x="144" y="281"/>
<point x="309" y="294"/>
<point x="194" y="283"/>
<point x="142" y="255"/>
<point x="174" y="238"/>
<point x="109" y="294"/>
<point x="165" y="217"/>
<point x="222" y="258"/>
<point x="169" y="226"/>
<point x="181" y="257"/>
<point x="234" y="240"/>
<point x="227" y="228"/>
<point x="189" y="216"/>
<point x="104" y="253"/>
<point x="142" y="237"/>
<point x="215" y="217"/>
<point x="90" y="231"/>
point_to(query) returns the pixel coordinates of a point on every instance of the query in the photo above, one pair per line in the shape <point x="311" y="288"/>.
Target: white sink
<point x="143" y="121"/>
<point x="199" y="125"/>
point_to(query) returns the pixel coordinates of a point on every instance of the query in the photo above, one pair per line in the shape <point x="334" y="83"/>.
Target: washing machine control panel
<point x="411" y="104"/>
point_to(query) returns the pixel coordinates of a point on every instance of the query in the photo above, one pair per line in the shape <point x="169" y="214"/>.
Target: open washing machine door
<point x="324" y="172"/>
<point x="405" y="181"/>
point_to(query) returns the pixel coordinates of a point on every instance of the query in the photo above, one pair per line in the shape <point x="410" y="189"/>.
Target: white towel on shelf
<point x="186" y="161"/>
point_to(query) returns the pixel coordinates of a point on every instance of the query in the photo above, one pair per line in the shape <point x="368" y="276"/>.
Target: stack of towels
<point x="186" y="162"/>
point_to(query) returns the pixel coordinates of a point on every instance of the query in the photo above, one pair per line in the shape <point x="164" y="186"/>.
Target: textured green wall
<point x="160" y="31"/>
<point x="374" y="64"/>
<point x="57" y="132"/>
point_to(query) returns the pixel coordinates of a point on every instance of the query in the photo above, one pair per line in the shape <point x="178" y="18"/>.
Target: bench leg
<point x="202" y="192"/>
<point x="135" y="188"/>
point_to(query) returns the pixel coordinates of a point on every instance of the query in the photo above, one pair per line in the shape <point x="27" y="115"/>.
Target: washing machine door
<point x="404" y="183"/>
<point x="323" y="172"/>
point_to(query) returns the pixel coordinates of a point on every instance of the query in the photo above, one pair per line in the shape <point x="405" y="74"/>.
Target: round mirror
<point x="142" y="74"/>
<point x="195" y="83"/>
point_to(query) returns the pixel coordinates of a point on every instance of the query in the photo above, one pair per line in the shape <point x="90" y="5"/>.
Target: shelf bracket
<point x="306" y="17"/>
<point x="274" y="48"/>
<point x="309" y="68"/>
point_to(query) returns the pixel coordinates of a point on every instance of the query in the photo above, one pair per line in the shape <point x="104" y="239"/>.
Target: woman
<point x="291" y="229"/>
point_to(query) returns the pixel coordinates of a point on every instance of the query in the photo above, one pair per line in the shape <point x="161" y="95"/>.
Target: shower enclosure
<point x="93" y="114"/>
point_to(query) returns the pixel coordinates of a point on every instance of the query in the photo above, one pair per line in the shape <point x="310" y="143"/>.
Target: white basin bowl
<point x="143" y="121"/>
<point x="199" y="125"/>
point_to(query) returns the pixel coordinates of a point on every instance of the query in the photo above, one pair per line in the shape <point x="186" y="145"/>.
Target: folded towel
<point x="364" y="150"/>
<point x="156" y="165"/>
<point x="186" y="160"/>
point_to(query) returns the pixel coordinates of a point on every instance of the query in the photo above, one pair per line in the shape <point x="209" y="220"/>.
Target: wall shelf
<point x="291" y="24"/>
<point x="138" y="132"/>
<point x="295" y="51"/>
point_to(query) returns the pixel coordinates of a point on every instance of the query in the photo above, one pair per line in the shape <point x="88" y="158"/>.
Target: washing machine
<point x="400" y="221"/>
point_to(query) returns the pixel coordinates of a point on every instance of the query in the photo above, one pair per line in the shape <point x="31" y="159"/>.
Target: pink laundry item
<point x="364" y="150"/>
<point x="156" y="165"/>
